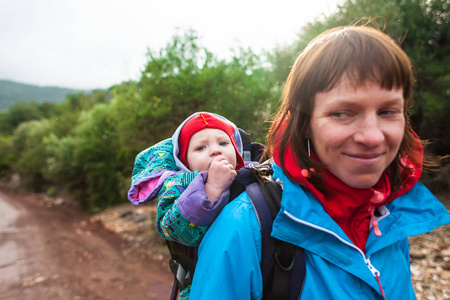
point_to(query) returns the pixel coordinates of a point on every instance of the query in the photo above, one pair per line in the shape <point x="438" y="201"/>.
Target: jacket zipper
<point x="376" y="274"/>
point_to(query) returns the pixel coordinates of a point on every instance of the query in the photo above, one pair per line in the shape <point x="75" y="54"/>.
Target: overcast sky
<point x="90" y="44"/>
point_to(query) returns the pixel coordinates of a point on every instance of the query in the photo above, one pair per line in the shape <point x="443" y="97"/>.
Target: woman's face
<point x="356" y="132"/>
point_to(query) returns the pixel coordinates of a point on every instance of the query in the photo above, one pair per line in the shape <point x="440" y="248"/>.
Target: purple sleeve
<point x="195" y="206"/>
<point x="146" y="188"/>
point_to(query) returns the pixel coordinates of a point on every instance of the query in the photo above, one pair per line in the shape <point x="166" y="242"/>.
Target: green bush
<point x="7" y="157"/>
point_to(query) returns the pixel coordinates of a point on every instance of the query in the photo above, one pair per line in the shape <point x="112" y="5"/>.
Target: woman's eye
<point x="339" y="114"/>
<point x="388" y="112"/>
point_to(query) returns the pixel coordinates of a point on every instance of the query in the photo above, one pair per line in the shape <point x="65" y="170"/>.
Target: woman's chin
<point x="362" y="181"/>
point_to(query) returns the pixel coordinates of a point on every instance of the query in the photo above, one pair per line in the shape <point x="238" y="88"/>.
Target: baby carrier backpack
<point x="282" y="264"/>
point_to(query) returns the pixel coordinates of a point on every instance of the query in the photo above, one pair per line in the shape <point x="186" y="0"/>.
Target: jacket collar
<point x="418" y="209"/>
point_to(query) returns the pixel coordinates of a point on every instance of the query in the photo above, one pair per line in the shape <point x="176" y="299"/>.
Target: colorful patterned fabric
<point x="170" y="223"/>
<point x="155" y="176"/>
<point x="159" y="174"/>
<point x="151" y="167"/>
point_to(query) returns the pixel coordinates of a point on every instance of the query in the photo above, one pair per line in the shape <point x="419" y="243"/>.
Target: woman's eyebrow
<point x="395" y="101"/>
<point x="353" y="103"/>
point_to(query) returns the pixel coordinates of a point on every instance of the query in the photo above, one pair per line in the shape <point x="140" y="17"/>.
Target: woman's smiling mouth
<point x="364" y="158"/>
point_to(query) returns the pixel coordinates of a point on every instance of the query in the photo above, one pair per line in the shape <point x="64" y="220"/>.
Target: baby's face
<point x="206" y="145"/>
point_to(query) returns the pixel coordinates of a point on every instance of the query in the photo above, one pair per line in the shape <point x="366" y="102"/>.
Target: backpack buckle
<point x="180" y="274"/>
<point x="263" y="171"/>
<point x="286" y="252"/>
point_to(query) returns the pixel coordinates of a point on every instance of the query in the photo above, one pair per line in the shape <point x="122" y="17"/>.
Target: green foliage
<point x="88" y="143"/>
<point x="43" y="150"/>
<point x="95" y="152"/>
<point x="184" y="78"/>
<point x="85" y="162"/>
<point x="7" y="156"/>
<point x="18" y="113"/>
<point x="21" y="112"/>
<point x="51" y="191"/>
<point x="62" y="168"/>
<point x="31" y="152"/>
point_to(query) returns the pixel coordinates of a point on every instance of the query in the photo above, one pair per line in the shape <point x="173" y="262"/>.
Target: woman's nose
<point x="369" y="132"/>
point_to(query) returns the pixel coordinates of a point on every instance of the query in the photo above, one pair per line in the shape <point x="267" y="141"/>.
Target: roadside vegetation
<point x="87" y="143"/>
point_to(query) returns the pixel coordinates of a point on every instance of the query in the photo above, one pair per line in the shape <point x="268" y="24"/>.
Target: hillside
<point x="11" y="92"/>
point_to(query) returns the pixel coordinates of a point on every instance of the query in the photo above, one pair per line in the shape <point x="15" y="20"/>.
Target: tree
<point x="31" y="153"/>
<point x="7" y="156"/>
<point x="18" y="113"/>
<point x="86" y="160"/>
<point x="183" y="78"/>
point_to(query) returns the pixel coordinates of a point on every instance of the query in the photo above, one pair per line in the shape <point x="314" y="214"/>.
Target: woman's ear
<point x="308" y="132"/>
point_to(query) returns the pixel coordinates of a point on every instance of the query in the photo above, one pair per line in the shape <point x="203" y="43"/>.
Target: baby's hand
<point x="220" y="176"/>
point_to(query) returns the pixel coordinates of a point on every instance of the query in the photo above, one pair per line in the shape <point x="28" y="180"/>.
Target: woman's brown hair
<point x="360" y="53"/>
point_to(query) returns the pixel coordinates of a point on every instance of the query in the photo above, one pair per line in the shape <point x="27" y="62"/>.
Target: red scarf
<point x="352" y="209"/>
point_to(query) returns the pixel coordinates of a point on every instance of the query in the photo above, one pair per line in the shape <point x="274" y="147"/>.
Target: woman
<point x="349" y="164"/>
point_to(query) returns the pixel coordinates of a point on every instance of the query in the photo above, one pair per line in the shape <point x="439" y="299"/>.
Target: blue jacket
<point x="229" y="255"/>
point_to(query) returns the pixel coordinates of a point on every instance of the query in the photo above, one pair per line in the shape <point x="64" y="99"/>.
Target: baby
<point x="206" y="150"/>
<point x="206" y="143"/>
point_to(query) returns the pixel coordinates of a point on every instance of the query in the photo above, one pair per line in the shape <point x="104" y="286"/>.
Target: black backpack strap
<point x="184" y="258"/>
<point x="251" y="151"/>
<point x="268" y="243"/>
<point x="246" y="145"/>
<point x="182" y="264"/>
<point x="244" y="177"/>
<point x="282" y="264"/>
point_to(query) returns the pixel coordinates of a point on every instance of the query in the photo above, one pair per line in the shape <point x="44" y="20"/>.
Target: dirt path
<point x="50" y="249"/>
<point x="51" y="252"/>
